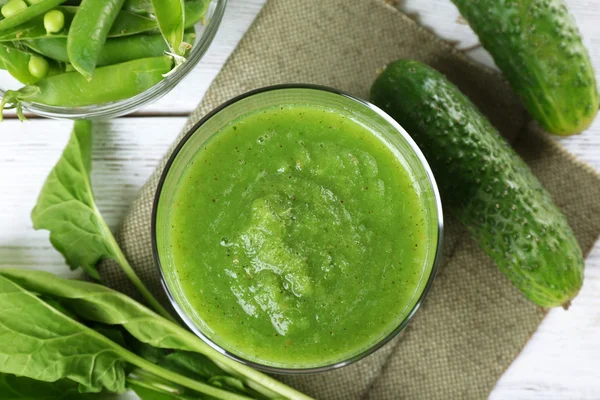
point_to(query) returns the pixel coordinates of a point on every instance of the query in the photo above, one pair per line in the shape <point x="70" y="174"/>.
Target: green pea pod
<point x="29" y="13"/>
<point x="170" y="15"/>
<point x="2" y="65"/>
<point x="126" y="23"/>
<point x="117" y="50"/>
<point x="17" y="64"/>
<point x="138" y="6"/>
<point x="89" y="31"/>
<point x="195" y="11"/>
<point x="54" y="48"/>
<point x="34" y="28"/>
<point x="134" y="6"/>
<point x="111" y="83"/>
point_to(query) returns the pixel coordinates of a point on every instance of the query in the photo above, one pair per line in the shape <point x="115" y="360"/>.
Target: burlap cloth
<point x="473" y="323"/>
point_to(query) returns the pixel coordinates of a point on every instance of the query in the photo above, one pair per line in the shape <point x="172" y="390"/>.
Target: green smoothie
<point x="298" y="237"/>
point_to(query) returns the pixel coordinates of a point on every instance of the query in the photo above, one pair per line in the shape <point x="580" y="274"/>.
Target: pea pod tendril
<point x="13" y="99"/>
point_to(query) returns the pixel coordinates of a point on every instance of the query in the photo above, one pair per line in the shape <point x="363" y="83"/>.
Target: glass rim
<point x="366" y="352"/>
<point x="126" y="106"/>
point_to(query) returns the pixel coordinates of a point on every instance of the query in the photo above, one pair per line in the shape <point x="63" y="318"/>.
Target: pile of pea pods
<point x="72" y="53"/>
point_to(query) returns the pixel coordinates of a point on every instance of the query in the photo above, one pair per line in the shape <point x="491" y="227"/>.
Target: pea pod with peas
<point x="71" y="53"/>
<point x="126" y="23"/>
<point x="16" y="12"/>
<point x="27" y="68"/>
<point x="115" y="50"/>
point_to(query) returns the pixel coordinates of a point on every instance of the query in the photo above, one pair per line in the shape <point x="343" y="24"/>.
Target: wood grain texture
<point x="562" y="361"/>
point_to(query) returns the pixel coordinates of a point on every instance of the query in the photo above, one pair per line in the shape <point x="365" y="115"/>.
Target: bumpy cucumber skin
<point x="485" y="183"/>
<point x="537" y="46"/>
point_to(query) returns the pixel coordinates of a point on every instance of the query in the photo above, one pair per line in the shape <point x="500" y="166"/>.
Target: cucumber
<point x="485" y="183"/>
<point x="537" y="46"/>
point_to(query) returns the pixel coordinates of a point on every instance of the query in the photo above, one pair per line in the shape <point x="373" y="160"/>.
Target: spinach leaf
<point x="151" y="387"/>
<point x="200" y="367"/>
<point x="193" y="365"/>
<point x="147" y="391"/>
<point x="52" y="302"/>
<point x="113" y="333"/>
<point x="197" y="367"/>
<point x="150" y="353"/>
<point x="228" y="382"/>
<point x="150" y="393"/>
<point x="41" y="343"/>
<point x="66" y="208"/>
<point x="100" y="304"/>
<point x="19" y="388"/>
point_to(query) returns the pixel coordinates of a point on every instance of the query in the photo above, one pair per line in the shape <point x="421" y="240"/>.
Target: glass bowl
<point x="205" y="32"/>
<point x="363" y="112"/>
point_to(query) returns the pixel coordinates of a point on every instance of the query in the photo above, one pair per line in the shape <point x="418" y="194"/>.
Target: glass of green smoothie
<point x="297" y="228"/>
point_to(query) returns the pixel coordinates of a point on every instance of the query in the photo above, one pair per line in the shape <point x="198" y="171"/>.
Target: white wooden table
<point x="562" y="361"/>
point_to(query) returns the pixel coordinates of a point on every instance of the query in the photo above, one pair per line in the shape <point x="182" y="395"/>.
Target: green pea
<point x="13" y="7"/>
<point x="54" y="21"/>
<point x="27" y="14"/>
<point x="38" y="66"/>
<point x="32" y="2"/>
<point x="16" y="63"/>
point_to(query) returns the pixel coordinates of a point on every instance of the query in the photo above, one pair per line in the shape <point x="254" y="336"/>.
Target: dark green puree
<point x="298" y="237"/>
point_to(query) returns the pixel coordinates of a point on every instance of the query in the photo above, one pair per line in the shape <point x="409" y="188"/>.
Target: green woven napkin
<point x="474" y="322"/>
